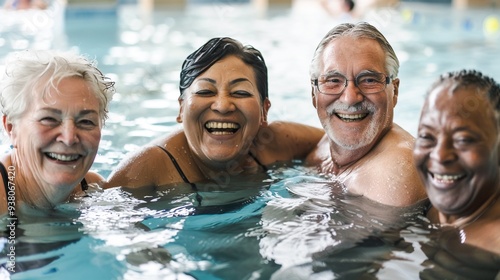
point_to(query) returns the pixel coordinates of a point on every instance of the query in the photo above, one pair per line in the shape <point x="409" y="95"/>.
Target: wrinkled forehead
<point x="358" y="52"/>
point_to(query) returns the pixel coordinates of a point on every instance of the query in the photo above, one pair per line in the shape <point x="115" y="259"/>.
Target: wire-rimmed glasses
<point x="367" y="82"/>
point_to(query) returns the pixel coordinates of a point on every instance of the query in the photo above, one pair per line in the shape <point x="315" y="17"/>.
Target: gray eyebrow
<point x="81" y="113"/>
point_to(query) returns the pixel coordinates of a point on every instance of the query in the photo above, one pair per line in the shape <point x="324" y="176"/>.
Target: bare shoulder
<point x="396" y="147"/>
<point x="396" y="153"/>
<point x="145" y="166"/>
<point x="133" y="170"/>
<point x="399" y="139"/>
<point x="394" y="177"/>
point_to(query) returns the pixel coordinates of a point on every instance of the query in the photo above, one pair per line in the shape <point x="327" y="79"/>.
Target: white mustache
<point x="339" y="106"/>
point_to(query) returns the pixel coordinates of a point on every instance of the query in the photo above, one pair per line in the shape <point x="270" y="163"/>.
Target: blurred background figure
<point x="347" y="10"/>
<point x="341" y="9"/>
<point x="25" y="4"/>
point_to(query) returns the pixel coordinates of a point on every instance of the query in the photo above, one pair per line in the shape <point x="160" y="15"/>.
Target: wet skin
<point x="354" y="121"/>
<point x="222" y="112"/>
<point x="456" y="151"/>
<point x="57" y="139"/>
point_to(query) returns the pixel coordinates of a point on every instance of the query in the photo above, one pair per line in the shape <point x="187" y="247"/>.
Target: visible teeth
<point x="222" y="125"/>
<point x="351" y="117"/>
<point x="221" y="132"/>
<point x="63" y="157"/>
<point x="447" y="178"/>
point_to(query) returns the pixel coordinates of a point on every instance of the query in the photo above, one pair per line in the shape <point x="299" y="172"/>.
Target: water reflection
<point x="292" y="224"/>
<point x="448" y="257"/>
<point x="327" y="228"/>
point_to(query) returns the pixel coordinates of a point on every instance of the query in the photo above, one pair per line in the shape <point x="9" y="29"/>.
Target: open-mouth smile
<point x="446" y="178"/>
<point x="351" y="117"/>
<point x="222" y="128"/>
<point x="63" y="157"/>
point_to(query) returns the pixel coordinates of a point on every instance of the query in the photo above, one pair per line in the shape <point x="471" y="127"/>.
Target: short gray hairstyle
<point x="33" y="72"/>
<point x="358" y="30"/>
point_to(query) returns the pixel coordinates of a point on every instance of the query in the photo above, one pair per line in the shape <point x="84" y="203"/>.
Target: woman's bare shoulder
<point x="147" y="165"/>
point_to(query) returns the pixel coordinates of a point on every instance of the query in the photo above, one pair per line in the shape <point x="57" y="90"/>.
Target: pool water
<point x="292" y="224"/>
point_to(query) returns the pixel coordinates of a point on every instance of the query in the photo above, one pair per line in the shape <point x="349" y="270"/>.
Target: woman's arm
<point x="285" y="141"/>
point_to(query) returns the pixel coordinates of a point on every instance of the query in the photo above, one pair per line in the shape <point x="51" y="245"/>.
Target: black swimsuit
<point x="5" y="177"/>
<point x="185" y="179"/>
<point x="184" y="176"/>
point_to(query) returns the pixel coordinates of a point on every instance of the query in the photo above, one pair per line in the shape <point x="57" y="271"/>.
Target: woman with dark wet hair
<point x="225" y="136"/>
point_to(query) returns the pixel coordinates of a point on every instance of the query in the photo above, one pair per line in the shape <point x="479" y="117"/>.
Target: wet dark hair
<point x="466" y="78"/>
<point x="216" y="49"/>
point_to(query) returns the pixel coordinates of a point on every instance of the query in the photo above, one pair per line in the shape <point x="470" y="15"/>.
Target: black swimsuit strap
<point x="183" y="176"/>
<point x="84" y="185"/>
<point x="258" y="162"/>
<point x="5" y="177"/>
<point x="176" y="165"/>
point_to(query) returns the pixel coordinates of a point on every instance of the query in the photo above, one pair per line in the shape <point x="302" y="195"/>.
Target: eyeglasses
<point x="367" y="82"/>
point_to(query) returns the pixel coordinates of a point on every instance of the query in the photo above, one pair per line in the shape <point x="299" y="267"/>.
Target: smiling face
<point x="456" y="151"/>
<point x="352" y="119"/>
<point x="222" y="112"/>
<point x="58" y="136"/>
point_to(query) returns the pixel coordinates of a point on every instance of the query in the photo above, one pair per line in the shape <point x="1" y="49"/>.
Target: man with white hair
<point x="354" y="90"/>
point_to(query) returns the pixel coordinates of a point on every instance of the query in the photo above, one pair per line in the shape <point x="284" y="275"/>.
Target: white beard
<point x="367" y="137"/>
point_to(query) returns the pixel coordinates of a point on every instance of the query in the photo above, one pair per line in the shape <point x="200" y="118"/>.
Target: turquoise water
<point x="262" y="229"/>
<point x="291" y="223"/>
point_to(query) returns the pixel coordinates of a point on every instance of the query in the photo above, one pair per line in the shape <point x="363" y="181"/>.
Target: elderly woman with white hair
<point x="54" y="106"/>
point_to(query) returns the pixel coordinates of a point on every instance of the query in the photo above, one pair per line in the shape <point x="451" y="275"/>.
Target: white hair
<point x="33" y="72"/>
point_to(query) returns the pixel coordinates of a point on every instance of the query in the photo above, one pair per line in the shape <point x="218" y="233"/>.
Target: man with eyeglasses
<point x="354" y="90"/>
